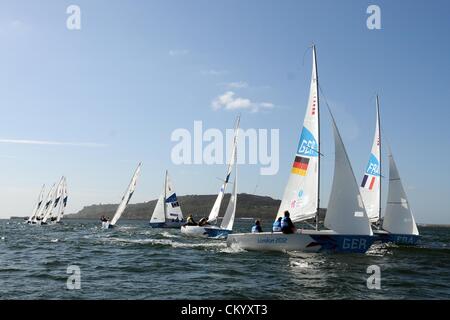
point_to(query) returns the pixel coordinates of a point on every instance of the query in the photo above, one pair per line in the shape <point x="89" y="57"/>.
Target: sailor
<point x="190" y="221"/>
<point x="203" y="222"/>
<point x="257" y="227"/>
<point x="277" y="225"/>
<point x="286" y="224"/>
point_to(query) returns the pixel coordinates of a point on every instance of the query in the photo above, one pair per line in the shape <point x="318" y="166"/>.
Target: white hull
<point x="304" y="240"/>
<point x="205" y="232"/>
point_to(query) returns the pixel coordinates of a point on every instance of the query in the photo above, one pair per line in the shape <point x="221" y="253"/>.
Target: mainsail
<point x="54" y="210"/>
<point x="228" y="218"/>
<point x="63" y="203"/>
<point x="345" y="213"/>
<point x="167" y="207"/>
<point x="38" y="204"/>
<point x="48" y="204"/>
<point x="301" y="195"/>
<point x="216" y="207"/>
<point x="398" y="217"/>
<point x="371" y="182"/>
<point x="173" y="208"/>
<point x="127" y="196"/>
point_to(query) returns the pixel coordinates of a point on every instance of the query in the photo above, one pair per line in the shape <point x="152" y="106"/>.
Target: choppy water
<point x="136" y="262"/>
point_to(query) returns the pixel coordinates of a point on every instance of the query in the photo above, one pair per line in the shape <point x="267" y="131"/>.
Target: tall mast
<point x="318" y="136"/>
<point x="165" y="195"/>
<point x="379" y="148"/>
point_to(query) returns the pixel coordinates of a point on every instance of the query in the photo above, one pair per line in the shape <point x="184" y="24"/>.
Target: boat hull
<point x="166" y="225"/>
<point x="399" y="239"/>
<point x="311" y="241"/>
<point x="205" y="232"/>
<point x="107" y="225"/>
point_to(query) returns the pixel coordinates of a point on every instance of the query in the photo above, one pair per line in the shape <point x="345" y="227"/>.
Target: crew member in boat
<point x="190" y="221"/>
<point x="276" y="227"/>
<point x="257" y="227"/>
<point x="286" y="224"/>
<point x="203" y="222"/>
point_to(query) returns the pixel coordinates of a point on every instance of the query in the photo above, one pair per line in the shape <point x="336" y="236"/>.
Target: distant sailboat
<point x="45" y="207"/>
<point x="64" y="202"/>
<point x="37" y="206"/>
<point x="226" y="227"/>
<point x="125" y="200"/>
<point x="167" y="212"/>
<point x="53" y="208"/>
<point x="346" y="218"/>
<point x="398" y="225"/>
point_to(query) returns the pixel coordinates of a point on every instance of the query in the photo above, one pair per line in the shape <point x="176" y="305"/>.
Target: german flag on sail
<point x="300" y="166"/>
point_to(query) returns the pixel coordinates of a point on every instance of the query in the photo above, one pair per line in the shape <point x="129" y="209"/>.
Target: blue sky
<point x="137" y="70"/>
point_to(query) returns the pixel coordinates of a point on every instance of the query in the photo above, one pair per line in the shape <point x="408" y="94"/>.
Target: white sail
<point x="55" y="200"/>
<point x="216" y="207"/>
<point x="228" y="218"/>
<point x="301" y="194"/>
<point x="38" y="204"/>
<point x="173" y="208"/>
<point x="63" y="203"/>
<point x="159" y="215"/>
<point x="127" y="196"/>
<point x="371" y="182"/>
<point x="48" y="203"/>
<point x="398" y="217"/>
<point x="345" y="213"/>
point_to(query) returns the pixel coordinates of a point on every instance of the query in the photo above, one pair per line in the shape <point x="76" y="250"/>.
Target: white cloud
<point x="178" y="52"/>
<point x="53" y="143"/>
<point x="237" y="85"/>
<point x="213" y="72"/>
<point x="229" y="101"/>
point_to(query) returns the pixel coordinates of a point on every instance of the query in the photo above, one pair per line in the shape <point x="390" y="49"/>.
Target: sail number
<point x="373" y="169"/>
<point x="307" y="147"/>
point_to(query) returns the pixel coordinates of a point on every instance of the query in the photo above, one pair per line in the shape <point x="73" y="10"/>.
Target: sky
<point x="92" y="103"/>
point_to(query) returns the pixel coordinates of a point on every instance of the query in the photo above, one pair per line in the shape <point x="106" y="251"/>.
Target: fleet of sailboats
<point x="52" y="210"/>
<point x="353" y="219"/>
<point x="347" y="223"/>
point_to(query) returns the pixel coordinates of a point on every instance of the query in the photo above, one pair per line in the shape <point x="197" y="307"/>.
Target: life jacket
<point x="276" y="227"/>
<point x="285" y="223"/>
<point x="256" y="229"/>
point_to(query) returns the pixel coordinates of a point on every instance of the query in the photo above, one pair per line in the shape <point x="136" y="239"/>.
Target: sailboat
<point x="37" y="220"/>
<point x="348" y="227"/>
<point x="125" y="200"/>
<point x="64" y="202"/>
<point x="37" y="206"/>
<point x="60" y="204"/>
<point x="398" y="224"/>
<point x="226" y="227"/>
<point x="167" y="212"/>
<point x="53" y="208"/>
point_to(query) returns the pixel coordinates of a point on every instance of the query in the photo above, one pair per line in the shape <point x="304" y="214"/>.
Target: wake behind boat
<point x="346" y="218"/>
<point x="398" y="225"/>
<point x="167" y="212"/>
<point x="226" y="227"/>
<point x="106" y="224"/>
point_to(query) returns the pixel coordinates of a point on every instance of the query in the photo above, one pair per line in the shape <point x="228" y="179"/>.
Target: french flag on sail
<point x="368" y="181"/>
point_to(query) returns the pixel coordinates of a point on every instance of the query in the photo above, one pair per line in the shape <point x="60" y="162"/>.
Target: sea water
<point x="133" y="261"/>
